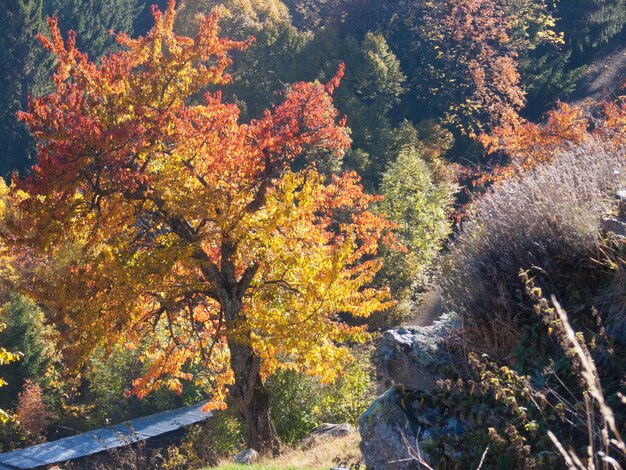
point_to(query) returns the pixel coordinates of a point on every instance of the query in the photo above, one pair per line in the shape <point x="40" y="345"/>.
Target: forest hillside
<point x="367" y="234"/>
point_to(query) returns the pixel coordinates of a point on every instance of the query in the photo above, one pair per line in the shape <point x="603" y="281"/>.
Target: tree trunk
<point x="248" y="391"/>
<point x="252" y="399"/>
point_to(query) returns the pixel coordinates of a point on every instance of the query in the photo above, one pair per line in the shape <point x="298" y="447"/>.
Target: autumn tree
<point x="32" y="413"/>
<point x="524" y="145"/>
<point x="214" y="240"/>
<point x="469" y="74"/>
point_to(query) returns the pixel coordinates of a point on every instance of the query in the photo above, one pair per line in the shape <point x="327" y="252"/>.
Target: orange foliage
<point x="528" y="144"/>
<point x="474" y="70"/>
<point x="157" y="217"/>
<point x="32" y="413"/>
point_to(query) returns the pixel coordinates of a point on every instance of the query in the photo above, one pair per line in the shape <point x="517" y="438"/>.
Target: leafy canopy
<point x="527" y="145"/>
<point x="159" y="217"/>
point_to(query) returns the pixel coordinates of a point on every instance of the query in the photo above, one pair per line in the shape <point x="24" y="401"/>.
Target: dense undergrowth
<point x="532" y="248"/>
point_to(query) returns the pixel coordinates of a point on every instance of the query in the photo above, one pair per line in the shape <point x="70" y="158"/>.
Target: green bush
<point x="208" y="443"/>
<point x="418" y="197"/>
<point x="300" y="403"/>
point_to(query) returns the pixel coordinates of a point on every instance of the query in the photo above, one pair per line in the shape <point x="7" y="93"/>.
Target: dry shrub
<point x="137" y="456"/>
<point x="32" y="413"/>
<point x="611" y="299"/>
<point x="605" y="446"/>
<point x="546" y="221"/>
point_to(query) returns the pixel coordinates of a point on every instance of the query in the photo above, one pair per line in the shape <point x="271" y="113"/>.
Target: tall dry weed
<point x="547" y="221"/>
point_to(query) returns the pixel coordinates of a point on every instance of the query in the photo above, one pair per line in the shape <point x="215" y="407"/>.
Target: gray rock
<point x="399" y="427"/>
<point x="621" y="203"/>
<point x="406" y="421"/>
<point x="247" y="457"/>
<point x="413" y="356"/>
<point x="326" y="431"/>
<point x="385" y="430"/>
<point x="616" y="226"/>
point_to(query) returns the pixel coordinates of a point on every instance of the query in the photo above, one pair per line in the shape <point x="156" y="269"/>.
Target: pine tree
<point x="369" y="96"/>
<point x="590" y="23"/>
<point x="263" y="68"/>
<point x="25" y="332"/>
<point x="23" y="65"/>
<point x="95" y="21"/>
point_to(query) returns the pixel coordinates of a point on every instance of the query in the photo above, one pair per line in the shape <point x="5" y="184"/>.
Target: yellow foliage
<point x="155" y="218"/>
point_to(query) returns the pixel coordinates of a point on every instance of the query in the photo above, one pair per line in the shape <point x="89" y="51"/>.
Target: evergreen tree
<point x="349" y="17"/>
<point x="23" y="66"/>
<point x="369" y="95"/>
<point x="25" y="332"/>
<point x="543" y="55"/>
<point x="143" y="22"/>
<point x="96" y="22"/>
<point x="590" y="23"/>
<point x="260" y="71"/>
<point x="312" y="15"/>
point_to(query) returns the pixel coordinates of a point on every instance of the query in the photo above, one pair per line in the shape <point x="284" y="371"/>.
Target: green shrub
<point x="25" y="332"/>
<point x="208" y="443"/>
<point x="300" y="403"/>
<point x="295" y="402"/>
<point x="419" y="201"/>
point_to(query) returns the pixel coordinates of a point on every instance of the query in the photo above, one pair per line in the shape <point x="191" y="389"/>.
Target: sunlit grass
<point x="325" y="455"/>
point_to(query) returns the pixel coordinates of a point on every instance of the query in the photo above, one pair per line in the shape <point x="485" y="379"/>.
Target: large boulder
<point x="414" y="356"/>
<point x="247" y="457"/>
<point x="400" y="427"/>
<point x="326" y="431"/>
<point x="403" y="421"/>
<point x="385" y="429"/>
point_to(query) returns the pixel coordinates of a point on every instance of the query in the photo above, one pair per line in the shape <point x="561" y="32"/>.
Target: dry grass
<point x="606" y="446"/>
<point x="547" y="221"/>
<point x="329" y="453"/>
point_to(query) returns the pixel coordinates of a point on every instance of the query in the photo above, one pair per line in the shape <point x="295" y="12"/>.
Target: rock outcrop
<point x="247" y="457"/>
<point x="326" y="431"/>
<point x="400" y="427"/>
<point x="394" y="428"/>
<point x="385" y="429"/>
<point x="413" y="356"/>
